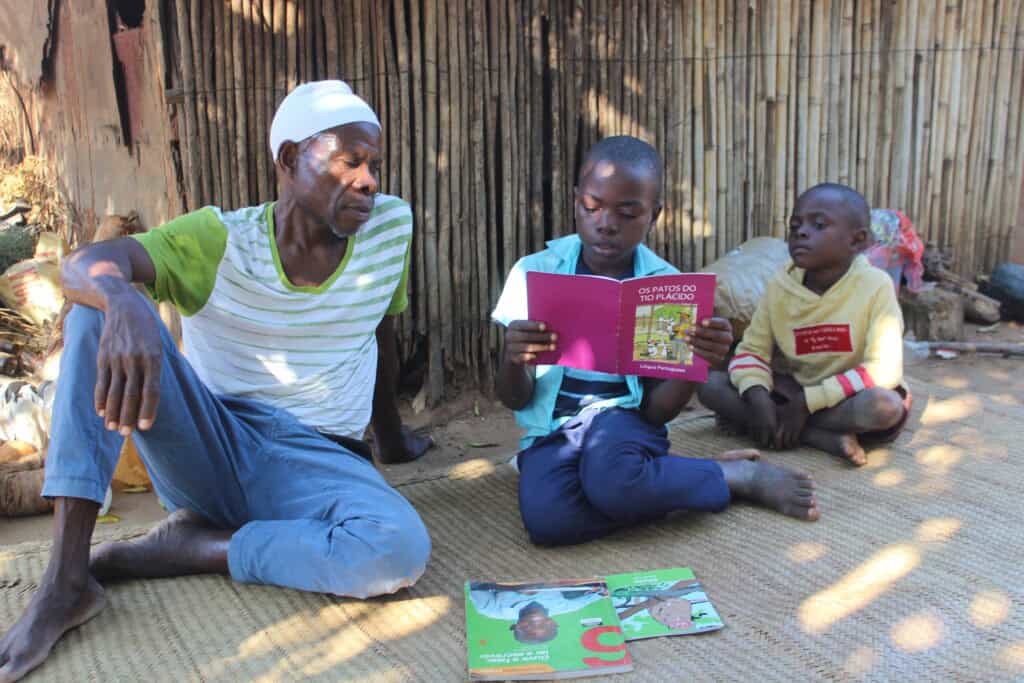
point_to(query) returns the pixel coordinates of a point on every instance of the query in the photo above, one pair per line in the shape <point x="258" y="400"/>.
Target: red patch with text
<point x="823" y="339"/>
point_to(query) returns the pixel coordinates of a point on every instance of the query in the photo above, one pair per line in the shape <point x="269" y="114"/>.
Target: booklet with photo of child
<point x="662" y="602"/>
<point x="636" y="326"/>
<point x="542" y="630"/>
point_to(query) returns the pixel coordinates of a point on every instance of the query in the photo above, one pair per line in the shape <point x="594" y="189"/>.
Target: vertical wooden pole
<point x="435" y="366"/>
<point x="253" y="70"/>
<point x="291" y="36"/>
<point x="191" y="155"/>
<point x="696" y="30"/>
<point x="998" y="245"/>
<point x="846" y="139"/>
<point x="333" y="66"/>
<point x="924" y="65"/>
<point x="980" y="133"/>
<point x="241" y="114"/>
<point x="482" y="265"/>
<point x="802" y="97"/>
<point x="962" y="228"/>
<point x="829" y="131"/>
<point x="265" y="99"/>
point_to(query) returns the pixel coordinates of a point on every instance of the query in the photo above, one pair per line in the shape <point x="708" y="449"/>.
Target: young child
<point x="595" y="455"/>
<point x="835" y="319"/>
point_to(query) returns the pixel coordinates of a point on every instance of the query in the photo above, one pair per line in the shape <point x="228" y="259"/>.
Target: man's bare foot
<point x="779" y="488"/>
<point x="845" y="446"/>
<point x="55" y="609"/>
<point x="409" y="447"/>
<point x="184" y="543"/>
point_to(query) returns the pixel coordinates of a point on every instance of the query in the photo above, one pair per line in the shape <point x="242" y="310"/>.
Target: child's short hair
<point x="533" y="606"/>
<point x="854" y="201"/>
<point x="626" y="149"/>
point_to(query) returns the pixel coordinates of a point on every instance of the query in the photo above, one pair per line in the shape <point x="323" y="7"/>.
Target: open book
<point x="623" y="327"/>
<point x="662" y="602"/>
<point x="542" y="630"/>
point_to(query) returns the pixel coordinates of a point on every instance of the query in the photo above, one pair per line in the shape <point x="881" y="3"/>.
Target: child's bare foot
<point x="184" y="543"/>
<point x="845" y="446"/>
<point x="54" y="610"/>
<point x="779" y="488"/>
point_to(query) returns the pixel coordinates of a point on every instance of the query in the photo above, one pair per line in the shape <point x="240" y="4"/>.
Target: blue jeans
<point x="606" y="470"/>
<point x="308" y="513"/>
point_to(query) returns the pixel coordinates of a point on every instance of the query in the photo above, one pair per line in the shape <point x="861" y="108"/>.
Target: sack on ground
<point x="742" y="276"/>
<point x="32" y="288"/>
<point x="25" y="412"/>
<point x="1007" y="286"/>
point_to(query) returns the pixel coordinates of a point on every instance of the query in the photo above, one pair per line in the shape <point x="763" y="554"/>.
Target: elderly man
<point x="252" y="441"/>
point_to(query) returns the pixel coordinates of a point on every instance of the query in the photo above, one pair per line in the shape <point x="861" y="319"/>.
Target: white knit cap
<point x="314" y="107"/>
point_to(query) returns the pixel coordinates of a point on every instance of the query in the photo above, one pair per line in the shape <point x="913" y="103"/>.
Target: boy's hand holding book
<point x="712" y="340"/>
<point x="524" y="339"/>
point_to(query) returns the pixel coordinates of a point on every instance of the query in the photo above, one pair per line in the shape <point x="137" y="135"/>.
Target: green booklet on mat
<point x="662" y="602"/>
<point x="542" y="630"/>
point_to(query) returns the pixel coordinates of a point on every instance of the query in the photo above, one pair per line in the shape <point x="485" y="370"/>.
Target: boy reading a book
<point x="836" y="320"/>
<point x="594" y="458"/>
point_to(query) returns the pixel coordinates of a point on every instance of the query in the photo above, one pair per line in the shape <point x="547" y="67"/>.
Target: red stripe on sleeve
<point x="750" y="355"/>
<point x="744" y="366"/>
<point x="865" y="376"/>
<point x="845" y="384"/>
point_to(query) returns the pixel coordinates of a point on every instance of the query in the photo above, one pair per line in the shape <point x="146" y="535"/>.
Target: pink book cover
<point x="628" y="327"/>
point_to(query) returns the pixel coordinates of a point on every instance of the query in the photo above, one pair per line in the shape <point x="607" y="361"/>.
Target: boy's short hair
<point x="854" y="201"/>
<point x="533" y="606"/>
<point x="626" y="149"/>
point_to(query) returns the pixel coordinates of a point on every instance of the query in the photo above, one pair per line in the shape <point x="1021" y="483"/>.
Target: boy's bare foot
<point x="55" y="609"/>
<point x="779" y="488"/>
<point x="184" y="543"/>
<point x="845" y="446"/>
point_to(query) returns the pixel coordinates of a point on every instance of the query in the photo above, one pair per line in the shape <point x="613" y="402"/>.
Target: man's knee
<point x="406" y="557"/>
<point x="395" y="557"/>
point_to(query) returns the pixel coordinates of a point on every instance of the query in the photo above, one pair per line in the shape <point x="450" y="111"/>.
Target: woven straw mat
<point x="913" y="573"/>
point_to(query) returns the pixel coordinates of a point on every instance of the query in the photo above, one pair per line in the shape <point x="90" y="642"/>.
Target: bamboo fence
<point x="488" y="106"/>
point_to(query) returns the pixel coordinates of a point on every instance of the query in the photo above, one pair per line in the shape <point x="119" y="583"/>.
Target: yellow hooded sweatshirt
<point x="846" y="340"/>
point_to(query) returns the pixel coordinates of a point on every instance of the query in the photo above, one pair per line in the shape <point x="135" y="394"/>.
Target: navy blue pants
<point x="606" y="470"/>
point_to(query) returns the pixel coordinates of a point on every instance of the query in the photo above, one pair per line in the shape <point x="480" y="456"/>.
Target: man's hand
<point x="405" y="446"/>
<point x="128" y="365"/>
<point x="763" y="422"/>
<point x="524" y="339"/>
<point x="712" y="340"/>
<point x="792" y="417"/>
